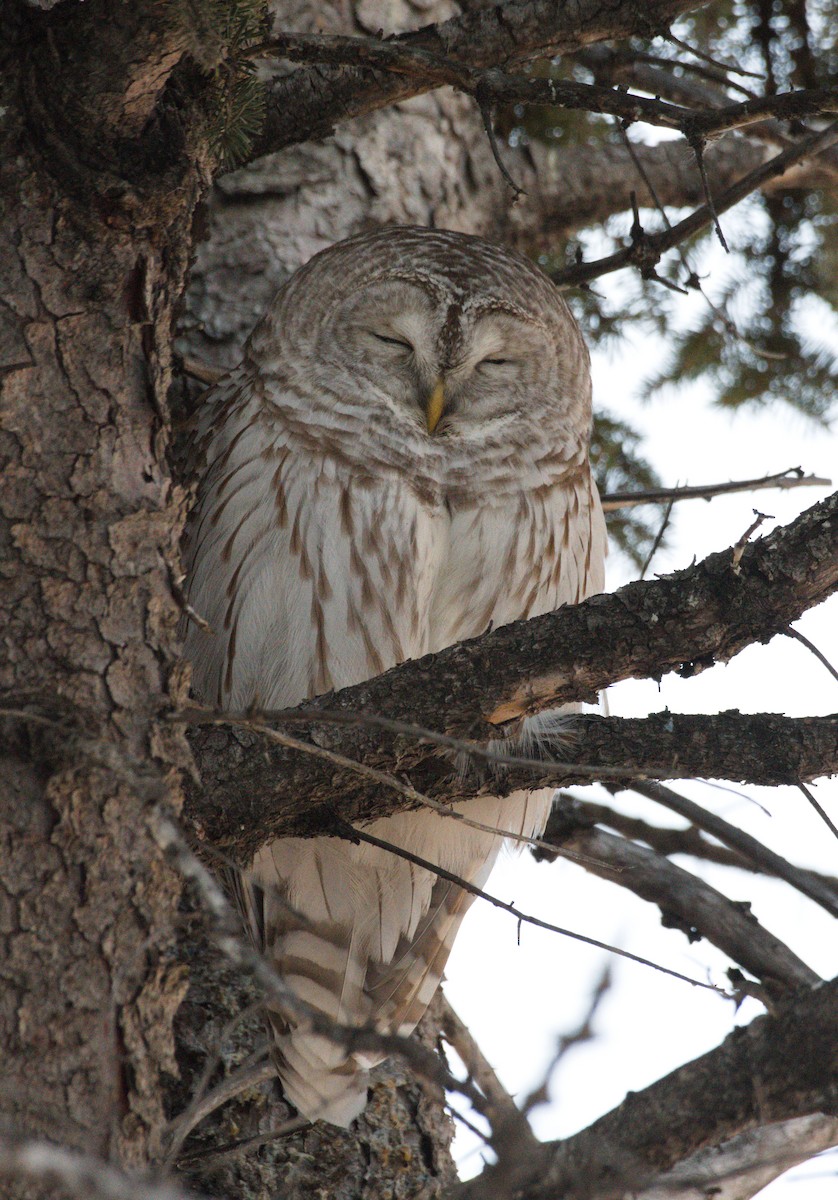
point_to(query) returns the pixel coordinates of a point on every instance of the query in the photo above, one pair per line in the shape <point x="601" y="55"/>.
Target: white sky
<point x="518" y="999"/>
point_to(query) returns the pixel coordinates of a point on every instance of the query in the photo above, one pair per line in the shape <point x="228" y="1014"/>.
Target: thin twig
<point x="738" y="548"/>
<point x="215" y="1156"/>
<point x="582" y="1033"/>
<point x="351" y="833"/>
<point x="794" y="633"/>
<point x="714" y="62"/>
<point x="697" y="144"/>
<point x="659" y="537"/>
<point x="693" y="280"/>
<point x="784" y="480"/>
<point x="202" y="1106"/>
<point x="485" y="107"/>
<point x="819" y="809"/>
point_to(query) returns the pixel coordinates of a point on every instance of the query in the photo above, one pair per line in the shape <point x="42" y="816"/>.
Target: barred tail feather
<point x="363" y="935"/>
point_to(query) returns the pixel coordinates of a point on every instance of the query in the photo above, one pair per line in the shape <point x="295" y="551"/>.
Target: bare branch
<point x="823" y="889"/>
<point x="798" y="636"/>
<point x="776" y="1069"/>
<point x="36" y="1161"/>
<point x="646" y="252"/>
<point x="230" y="940"/>
<point x="582" y="1033"/>
<point x="686" y="903"/>
<point x="819" y="809"/>
<point x="560" y="199"/>
<point x="203" y="1105"/>
<point x="307" y="103"/>
<point x="685" y="621"/>
<point x="783" y="480"/>
<point x="361" y="835"/>
<point x="511" y="1133"/>
<point x="665" y="840"/>
<point x="421" y="68"/>
<point x="254" y="790"/>
<point x="807" y="882"/>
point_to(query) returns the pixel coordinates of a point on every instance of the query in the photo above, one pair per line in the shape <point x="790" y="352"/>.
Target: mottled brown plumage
<point x="400" y="462"/>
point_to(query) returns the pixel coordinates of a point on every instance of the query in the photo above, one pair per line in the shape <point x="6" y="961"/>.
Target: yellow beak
<point x="435" y="405"/>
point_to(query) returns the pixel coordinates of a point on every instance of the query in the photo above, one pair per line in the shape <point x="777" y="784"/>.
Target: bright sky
<point x="519" y="999"/>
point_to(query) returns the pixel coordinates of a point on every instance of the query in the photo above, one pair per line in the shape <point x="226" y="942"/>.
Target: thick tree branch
<point x="255" y="789"/>
<point x="306" y="104"/>
<point x="778" y="1068"/>
<point x="684" y="622"/>
<point x="493" y="87"/>
<point x="743" y="1166"/>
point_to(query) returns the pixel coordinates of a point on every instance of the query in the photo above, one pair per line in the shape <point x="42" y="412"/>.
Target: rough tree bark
<point x="96" y="210"/>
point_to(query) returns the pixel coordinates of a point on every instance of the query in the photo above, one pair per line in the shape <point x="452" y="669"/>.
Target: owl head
<point x="445" y="340"/>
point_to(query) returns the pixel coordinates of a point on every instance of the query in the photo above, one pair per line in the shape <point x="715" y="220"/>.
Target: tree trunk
<point x="89" y="522"/>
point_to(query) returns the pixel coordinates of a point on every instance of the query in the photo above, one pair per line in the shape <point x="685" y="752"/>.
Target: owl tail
<point x="363" y="935"/>
<point x="320" y="1085"/>
<point x="320" y="961"/>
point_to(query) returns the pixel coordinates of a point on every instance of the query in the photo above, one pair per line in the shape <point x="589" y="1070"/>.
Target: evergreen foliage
<point x="220" y="33"/>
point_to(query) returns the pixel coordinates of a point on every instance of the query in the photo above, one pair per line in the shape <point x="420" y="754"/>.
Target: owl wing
<point x="310" y="576"/>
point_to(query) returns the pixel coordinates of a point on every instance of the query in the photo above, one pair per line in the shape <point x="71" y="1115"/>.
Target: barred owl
<point x="400" y="462"/>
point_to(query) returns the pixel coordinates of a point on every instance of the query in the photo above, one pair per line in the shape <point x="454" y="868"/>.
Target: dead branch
<point x="776" y="1069"/>
<point x="783" y="480"/>
<point x="511" y="1131"/>
<point x="37" y="1162"/>
<point x="581" y="1034"/>
<point x="665" y="840"/>
<point x="686" y="903"/>
<point x="806" y="882"/>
